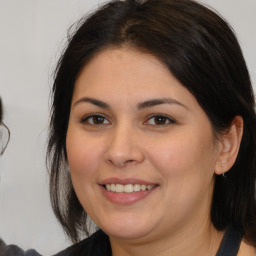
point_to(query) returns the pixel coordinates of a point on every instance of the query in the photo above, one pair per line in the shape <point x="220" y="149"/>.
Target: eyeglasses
<point x="4" y="137"/>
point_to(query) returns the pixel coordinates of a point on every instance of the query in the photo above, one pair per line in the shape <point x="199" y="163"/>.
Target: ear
<point x="229" y="144"/>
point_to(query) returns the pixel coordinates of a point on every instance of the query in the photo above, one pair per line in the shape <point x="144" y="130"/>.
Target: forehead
<point x="124" y="69"/>
<point x="116" y="60"/>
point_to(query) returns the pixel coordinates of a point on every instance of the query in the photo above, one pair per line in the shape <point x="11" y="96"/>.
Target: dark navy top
<point x="98" y="245"/>
<point x="230" y="243"/>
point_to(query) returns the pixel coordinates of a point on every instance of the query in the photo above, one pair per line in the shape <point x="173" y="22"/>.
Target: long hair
<point x="201" y="50"/>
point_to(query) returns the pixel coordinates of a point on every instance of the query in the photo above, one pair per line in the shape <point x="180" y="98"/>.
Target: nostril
<point x="128" y="162"/>
<point x="120" y="163"/>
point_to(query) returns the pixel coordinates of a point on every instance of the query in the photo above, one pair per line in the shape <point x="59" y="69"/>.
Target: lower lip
<point x="126" y="198"/>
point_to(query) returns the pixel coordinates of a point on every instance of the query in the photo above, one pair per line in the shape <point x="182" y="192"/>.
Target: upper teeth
<point x="129" y="188"/>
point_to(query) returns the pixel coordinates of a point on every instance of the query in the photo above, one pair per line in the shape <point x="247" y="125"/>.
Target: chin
<point x="128" y="229"/>
<point x="129" y="234"/>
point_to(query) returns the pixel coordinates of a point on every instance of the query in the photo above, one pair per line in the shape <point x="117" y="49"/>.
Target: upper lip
<point x="132" y="181"/>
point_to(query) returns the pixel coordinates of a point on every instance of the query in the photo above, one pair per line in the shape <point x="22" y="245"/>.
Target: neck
<point x="194" y="241"/>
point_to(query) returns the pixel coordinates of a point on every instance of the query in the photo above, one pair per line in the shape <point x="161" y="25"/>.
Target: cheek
<point x="83" y="156"/>
<point x="184" y="156"/>
<point x="186" y="166"/>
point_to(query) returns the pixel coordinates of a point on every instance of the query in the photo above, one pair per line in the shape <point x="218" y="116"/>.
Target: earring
<point x="223" y="174"/>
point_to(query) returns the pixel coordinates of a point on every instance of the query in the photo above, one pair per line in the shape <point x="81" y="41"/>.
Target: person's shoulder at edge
<point x="246" y="249"/>
<point x="96" y="244"/>
<point x="14" y="250"/>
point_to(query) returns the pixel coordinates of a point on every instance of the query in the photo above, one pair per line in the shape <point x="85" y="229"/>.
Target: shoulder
<point x="8" y="250"/>
<point x="14" y="250"/>
<point x="246" y="250"/>
<point x="96" y="244"/>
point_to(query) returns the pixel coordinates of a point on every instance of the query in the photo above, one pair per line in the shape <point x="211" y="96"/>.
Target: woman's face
<point x="132" y="127"/>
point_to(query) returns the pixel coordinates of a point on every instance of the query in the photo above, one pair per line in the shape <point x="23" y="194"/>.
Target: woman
<point x="153" y="134"/>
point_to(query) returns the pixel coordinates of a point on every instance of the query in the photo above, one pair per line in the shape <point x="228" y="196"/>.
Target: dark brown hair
<point x="202" y="52"/>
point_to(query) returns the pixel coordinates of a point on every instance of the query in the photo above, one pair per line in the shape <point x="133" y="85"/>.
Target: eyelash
<point x="85" y="120"/>
<point x="164" y="117"/>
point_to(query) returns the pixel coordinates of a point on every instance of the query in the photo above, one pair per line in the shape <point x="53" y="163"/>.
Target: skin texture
<point x="246" y="250"/>
<point x="176" y="150"/>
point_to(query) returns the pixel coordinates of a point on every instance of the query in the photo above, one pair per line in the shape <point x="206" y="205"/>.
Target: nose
<point x="124" y="148"/>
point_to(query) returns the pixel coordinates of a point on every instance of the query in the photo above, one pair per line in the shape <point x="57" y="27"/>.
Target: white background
<point x="32" y="34"/>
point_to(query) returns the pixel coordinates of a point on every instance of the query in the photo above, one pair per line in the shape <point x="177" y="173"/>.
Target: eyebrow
<point x="146" y="104"/>
<point x="95" y="102"/>
<point x="155" y="102"/>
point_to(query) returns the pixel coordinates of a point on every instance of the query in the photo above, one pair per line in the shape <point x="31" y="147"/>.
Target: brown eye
<point x="95" y="120"/>
<point x="160" y="120"/>
<point x="98" y="119"/>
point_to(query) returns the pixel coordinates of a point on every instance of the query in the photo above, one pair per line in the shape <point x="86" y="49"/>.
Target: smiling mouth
<point x="128" y="188"/>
